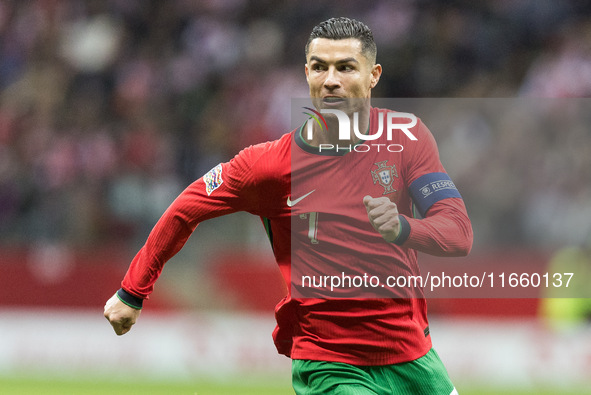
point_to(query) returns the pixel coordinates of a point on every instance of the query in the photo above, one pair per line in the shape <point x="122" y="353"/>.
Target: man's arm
<point x="166" y="238"/>
<point x="445" y="231"/>
<point x="227" y="188"/>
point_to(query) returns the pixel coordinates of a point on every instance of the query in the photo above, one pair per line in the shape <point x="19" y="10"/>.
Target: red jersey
<point x="311" y="204"/>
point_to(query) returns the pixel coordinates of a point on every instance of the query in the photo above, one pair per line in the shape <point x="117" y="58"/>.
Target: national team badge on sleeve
<point x="384" y="175"/>
<point x="213" y="179"/>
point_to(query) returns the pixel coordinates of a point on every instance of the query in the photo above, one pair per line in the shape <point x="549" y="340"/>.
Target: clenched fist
<point x="121" y="316"/>
<point x="383" y="216"/>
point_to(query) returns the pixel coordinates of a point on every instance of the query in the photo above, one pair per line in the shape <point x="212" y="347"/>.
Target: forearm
<point x="446" y="231"/>
<point x="169" y="235"/>
<point x="166" y="238"/>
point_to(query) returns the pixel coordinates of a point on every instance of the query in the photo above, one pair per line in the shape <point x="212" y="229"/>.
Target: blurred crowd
<point x="109" y="108"/>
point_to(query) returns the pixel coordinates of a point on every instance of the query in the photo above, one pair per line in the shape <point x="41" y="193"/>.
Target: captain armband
<point x="430" y="188"/>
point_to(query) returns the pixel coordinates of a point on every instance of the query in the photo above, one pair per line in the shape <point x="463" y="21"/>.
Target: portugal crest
<point x="384" y="175"/>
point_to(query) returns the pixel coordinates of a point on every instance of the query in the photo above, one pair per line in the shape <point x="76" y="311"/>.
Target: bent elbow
<point x="456" y="251"/>
<point x="465" y="249"/>
<point x="463" y="246"/>
<point x="466" y="246"/>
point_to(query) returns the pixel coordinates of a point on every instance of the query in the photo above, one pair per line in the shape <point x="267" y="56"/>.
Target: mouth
<point x="332" y="100"/>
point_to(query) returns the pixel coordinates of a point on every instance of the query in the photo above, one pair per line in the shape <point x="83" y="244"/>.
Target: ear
<point x="376" y="72"/>
<point x="307" y="71"/>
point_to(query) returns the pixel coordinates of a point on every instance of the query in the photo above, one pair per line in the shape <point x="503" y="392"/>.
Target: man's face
<point x="337" y="70"/>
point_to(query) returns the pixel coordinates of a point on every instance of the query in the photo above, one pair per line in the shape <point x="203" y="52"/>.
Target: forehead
<point x="331" y="50"/>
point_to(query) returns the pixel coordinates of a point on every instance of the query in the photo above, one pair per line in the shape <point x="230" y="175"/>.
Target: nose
<point x="332" y="81"/>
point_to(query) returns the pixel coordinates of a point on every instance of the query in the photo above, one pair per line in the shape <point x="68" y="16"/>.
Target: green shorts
<point x="425" y="375"/>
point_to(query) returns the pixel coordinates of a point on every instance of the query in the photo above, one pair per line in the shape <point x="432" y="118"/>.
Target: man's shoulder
<point x="283" y="142"/>
<point x="268" y="155"/>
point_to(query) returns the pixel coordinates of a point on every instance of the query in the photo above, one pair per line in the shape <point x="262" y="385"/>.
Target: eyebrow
<point x="345" y="60"/>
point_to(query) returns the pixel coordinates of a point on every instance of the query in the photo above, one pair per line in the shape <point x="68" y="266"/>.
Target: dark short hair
<point x="342" y="28"/>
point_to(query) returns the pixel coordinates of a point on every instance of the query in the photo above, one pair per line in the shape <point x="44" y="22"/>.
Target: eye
<point x="347" y="67"/>
<point x="318" y="67"/>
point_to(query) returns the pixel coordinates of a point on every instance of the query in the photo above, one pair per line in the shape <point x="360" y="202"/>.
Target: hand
<point x="121" y="316"/>
<point x="383" y="216"/>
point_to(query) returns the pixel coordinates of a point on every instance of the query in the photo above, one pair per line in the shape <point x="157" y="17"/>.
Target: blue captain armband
<point x="430" y="188"/>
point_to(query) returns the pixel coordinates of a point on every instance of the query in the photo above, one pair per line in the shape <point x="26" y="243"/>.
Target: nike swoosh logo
<point x="291" y="203"/>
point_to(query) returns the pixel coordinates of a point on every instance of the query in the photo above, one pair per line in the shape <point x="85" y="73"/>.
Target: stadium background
<point x="109" y="108"/>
